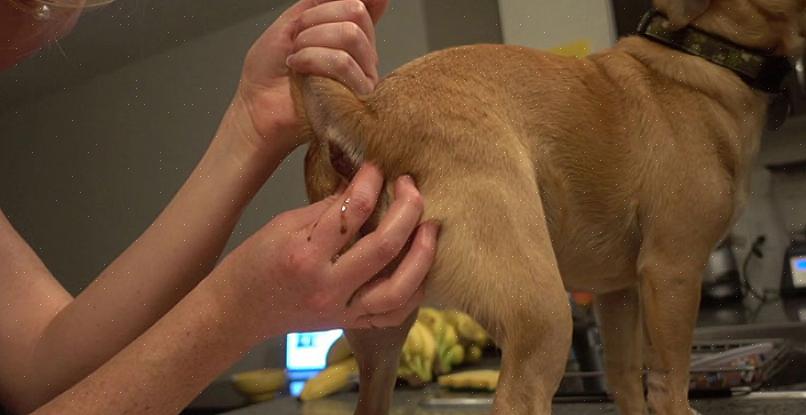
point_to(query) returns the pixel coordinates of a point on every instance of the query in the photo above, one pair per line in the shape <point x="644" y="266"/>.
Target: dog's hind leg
<point x="378" y="354"/>
<point x="619" y="315"/>
<point x="535" y="342"/>
<point x="496" y="262"/>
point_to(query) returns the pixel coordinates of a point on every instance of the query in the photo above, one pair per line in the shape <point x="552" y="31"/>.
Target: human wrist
<point x="245" y="301"/>
<point x="266" y="143"/>
<point x="264" y="118"/>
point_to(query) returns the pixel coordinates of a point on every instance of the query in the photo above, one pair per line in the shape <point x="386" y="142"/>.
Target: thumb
<point x="308" y="215"/>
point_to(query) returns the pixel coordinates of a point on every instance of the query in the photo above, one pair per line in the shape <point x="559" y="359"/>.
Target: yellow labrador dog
<point x="615" y="174"/>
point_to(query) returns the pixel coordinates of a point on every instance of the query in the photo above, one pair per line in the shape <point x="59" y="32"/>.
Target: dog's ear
<point x="682" y="12"/>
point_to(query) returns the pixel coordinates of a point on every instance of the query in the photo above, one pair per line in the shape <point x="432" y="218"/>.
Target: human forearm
<point x="161" y="266"/>
<point x="165" y="368"/>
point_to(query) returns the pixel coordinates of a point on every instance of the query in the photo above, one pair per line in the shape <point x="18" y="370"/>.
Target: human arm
<point x="66" y="339"/>
<point x="228" y="312"/>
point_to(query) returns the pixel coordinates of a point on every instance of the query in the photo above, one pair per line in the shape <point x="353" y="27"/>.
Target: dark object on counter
<point x="733" y="365"/>
<point x="721" y="282"/>
<point x="793" y="279"/>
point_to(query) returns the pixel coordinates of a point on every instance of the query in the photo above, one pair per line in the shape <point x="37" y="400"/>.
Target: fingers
<point x="393" y="293"/>
<point x="393" y="318"/>
<point x="344" y="11"/>
<point x="390" y="302"/>
<point x="341" y="221"/>
<point x="345" y="36"/>
<point x="332" y="63"/>
<point x="336" y="39"/>
<point x="376" y="250"/>
<point x="308" y="216"/>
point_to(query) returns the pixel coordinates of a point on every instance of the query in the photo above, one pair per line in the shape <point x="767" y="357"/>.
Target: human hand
<point x="296" y="275"/>
<point x="24" y="30"/>
<point x="330" y="38"/>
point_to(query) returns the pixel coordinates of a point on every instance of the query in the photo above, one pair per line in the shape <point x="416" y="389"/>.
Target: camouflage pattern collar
<point x="758" y="69"/>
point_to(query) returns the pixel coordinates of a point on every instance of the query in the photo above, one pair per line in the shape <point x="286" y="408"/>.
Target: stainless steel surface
<point x="454" y="402"/>
<point x="409" y="403"/>
<point x="791" y="330"/>
<point x="776" y="395"/>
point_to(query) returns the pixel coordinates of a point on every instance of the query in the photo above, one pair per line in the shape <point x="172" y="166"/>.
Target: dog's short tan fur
<point x="615" y="174"/>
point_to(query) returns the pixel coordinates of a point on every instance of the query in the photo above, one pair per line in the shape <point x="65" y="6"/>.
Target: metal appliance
<point x="722" y="282"/>
<point x="793" y="278"/>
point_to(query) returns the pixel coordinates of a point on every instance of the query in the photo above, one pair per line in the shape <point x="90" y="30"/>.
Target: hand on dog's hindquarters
<point x="310" y="282"/>
<point x="329" y="38"/>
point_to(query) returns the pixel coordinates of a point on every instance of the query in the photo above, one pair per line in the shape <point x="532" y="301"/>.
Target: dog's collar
<point x="758" y="69"/>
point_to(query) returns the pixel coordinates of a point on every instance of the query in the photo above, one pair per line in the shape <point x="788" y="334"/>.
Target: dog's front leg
<point x="378" y="354"/>
<point x="619" y="315"/>
<point x="670" y="295"/>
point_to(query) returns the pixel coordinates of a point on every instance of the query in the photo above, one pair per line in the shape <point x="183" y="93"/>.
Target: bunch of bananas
<point x="259" y="385"/>
<point x="436" y="343"/>
<point x="418" y="355"/>
<point x="456" y="339"/>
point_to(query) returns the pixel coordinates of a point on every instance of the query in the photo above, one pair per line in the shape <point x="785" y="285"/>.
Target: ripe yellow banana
<point x="417" y="359"/>
<point x="468" y="329"/>
<point x="474" y="379"/>
<point x="433" y="319"/>
<point x="339" y="351"/>
<point x="330" y="380"/>
<point x="448" y="339"/>
<point x="473" y="354"/>
<point x="257" y="382"/>
<point x="456" y="354"/>
<point x="263" y="397"/>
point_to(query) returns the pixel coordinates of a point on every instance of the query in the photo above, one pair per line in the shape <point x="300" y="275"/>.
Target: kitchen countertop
<point x="749" y="319"/>
<point x="408" y="402"/>
<point x="753" y="312"/>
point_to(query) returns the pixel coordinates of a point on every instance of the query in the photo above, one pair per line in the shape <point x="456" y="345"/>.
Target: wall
<point x="459" y="22"/>
<point x="545" y="24"/>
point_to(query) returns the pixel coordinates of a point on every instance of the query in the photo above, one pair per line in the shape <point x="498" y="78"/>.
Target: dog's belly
<point x="595" y="273"/>
<point x="594" y="255"/>
<point x="595" y="270"/>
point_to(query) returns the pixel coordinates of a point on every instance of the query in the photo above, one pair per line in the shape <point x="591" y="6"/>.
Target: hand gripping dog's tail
<point x="335" y="123"/>
<point x="333" y="116"/>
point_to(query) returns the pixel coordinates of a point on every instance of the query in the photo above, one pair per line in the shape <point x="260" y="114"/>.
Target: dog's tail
<point x="333" y="115"/>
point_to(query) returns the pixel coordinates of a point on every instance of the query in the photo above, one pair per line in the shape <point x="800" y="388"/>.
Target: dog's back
<point x="493" y="134"/>
<point x="457" y="123"/>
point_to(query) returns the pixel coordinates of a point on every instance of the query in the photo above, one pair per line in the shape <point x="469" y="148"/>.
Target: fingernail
<point x="365" y="89"/>
<point x="289" y="60"/>
<point x="436" y="225"/>
<point x="408" y="179"/>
